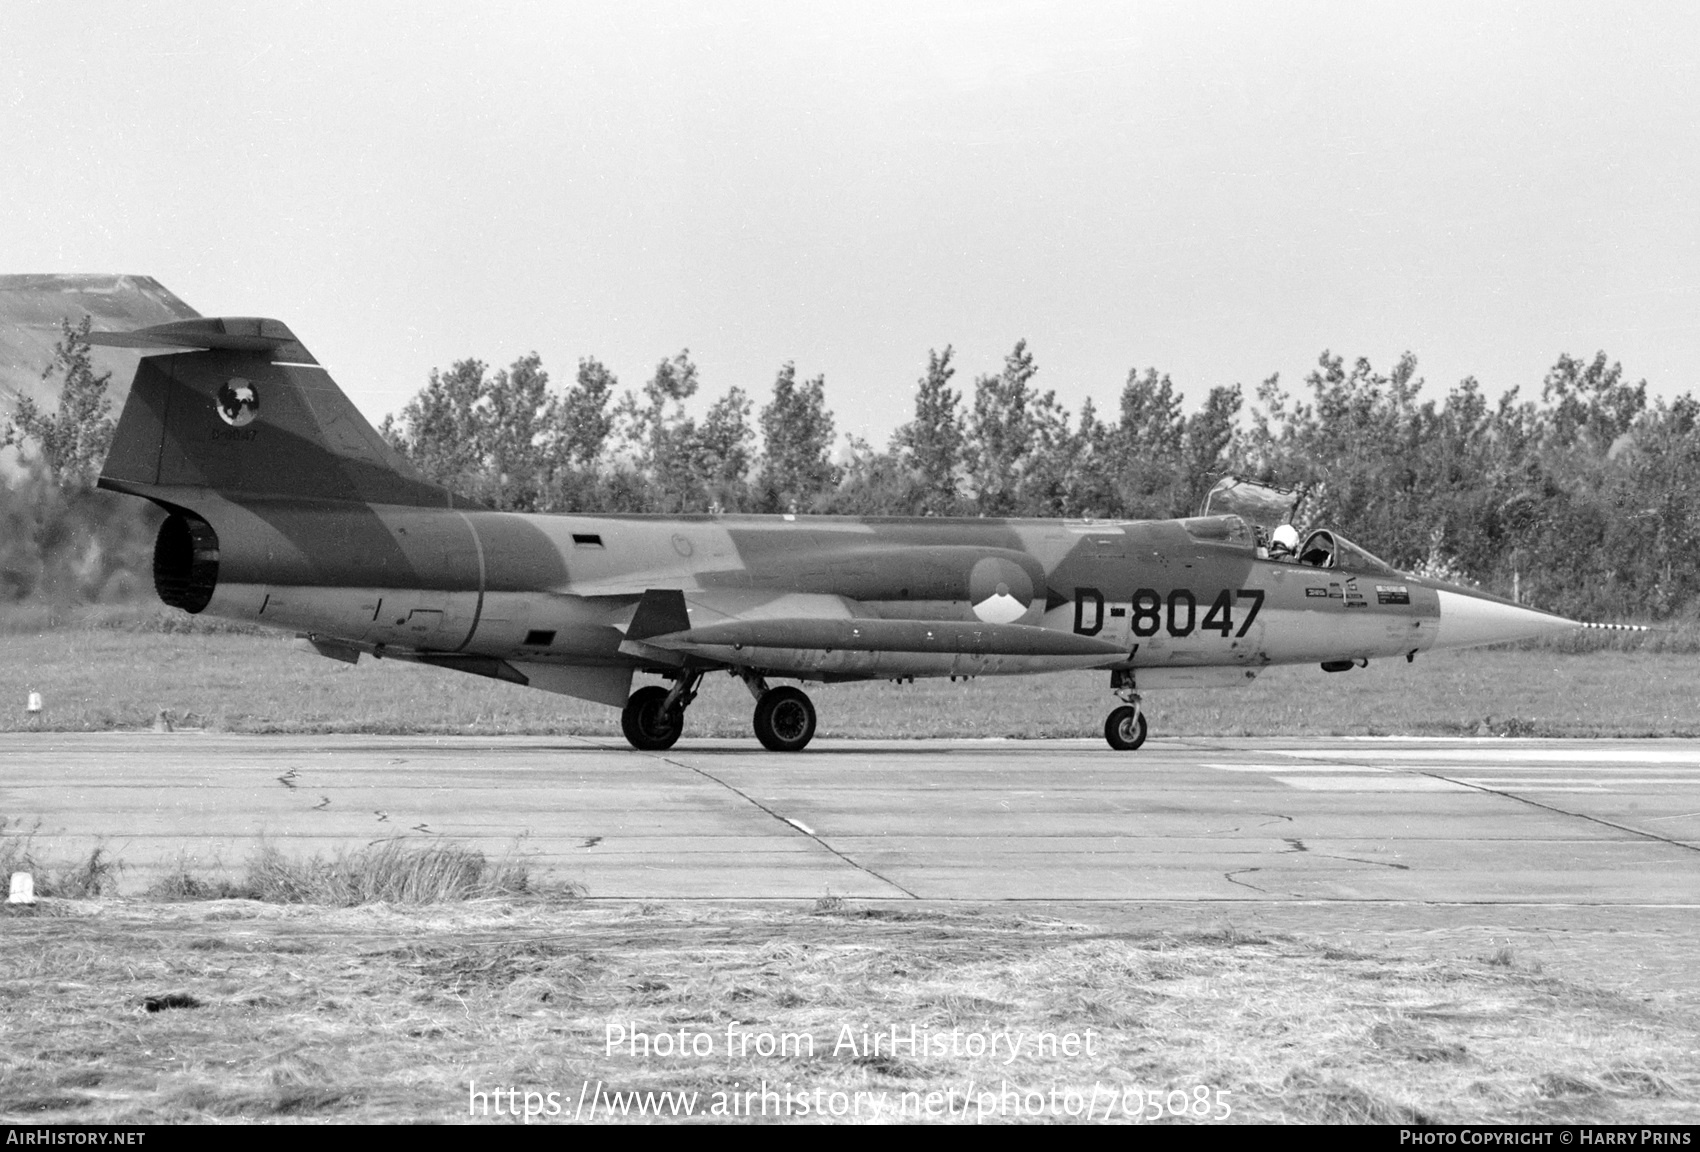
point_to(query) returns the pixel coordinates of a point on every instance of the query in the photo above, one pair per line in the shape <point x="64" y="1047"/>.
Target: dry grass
<point x="389" y="872"/>
<point x="94" y="875"/>
<point x="387" y="1014"/>
<point x="96" y="679"/>
<point x="393" y="872"/>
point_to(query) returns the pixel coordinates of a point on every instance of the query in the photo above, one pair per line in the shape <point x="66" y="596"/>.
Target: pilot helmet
<point x="1285" y="536"/>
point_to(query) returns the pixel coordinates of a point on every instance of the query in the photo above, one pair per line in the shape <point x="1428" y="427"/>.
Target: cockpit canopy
<point x="1328" y="549"/>
<point x="1233" y="503"/>
<point x="1263" y="505"/>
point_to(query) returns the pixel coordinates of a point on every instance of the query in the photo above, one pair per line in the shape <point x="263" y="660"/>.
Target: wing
<point x="798" y="631"/>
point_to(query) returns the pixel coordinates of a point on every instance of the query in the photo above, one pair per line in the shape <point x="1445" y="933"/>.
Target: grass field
<point x="106" y="678"/>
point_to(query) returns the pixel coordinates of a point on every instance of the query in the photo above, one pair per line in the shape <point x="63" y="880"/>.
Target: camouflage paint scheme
<point x="288" y="509"/>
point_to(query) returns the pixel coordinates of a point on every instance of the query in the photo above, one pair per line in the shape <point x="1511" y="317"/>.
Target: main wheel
<point x="647" y="728"/>
<point x="785" y="720"/>
<point x="1125" y="729"/>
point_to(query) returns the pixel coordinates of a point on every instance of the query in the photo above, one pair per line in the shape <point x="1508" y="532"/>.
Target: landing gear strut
<point x="1125" y="728"/>
<point x="785" y="717"/>
<point x="654" y="717"/>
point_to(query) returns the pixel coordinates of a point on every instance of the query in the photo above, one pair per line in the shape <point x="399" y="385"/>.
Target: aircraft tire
<point x="646" y="728"/>
<point x="785" y="720"/>
<point x="1125" y="729"/>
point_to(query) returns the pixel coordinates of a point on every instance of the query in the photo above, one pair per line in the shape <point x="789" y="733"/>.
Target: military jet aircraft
<point x="286" y="508"/>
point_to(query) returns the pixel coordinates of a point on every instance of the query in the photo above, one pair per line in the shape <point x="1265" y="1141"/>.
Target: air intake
<point x="185" y="562"/>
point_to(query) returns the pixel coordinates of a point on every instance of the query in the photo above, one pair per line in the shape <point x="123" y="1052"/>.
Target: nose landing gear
<point x="1125" y="728"/>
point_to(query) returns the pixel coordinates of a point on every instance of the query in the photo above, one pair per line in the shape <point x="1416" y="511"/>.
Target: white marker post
<point x="23" y="889"/>
<point x="32" y="710"/>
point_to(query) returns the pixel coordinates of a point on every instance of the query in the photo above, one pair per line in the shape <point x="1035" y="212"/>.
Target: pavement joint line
<point x="1512" y="796"/>
<point x="786" y="820"/>
<point x="789" y="823"/>
<point x="1553" y="808"/>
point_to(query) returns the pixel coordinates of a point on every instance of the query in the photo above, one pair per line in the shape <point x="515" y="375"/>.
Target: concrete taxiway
<point x="1360" y="821"/>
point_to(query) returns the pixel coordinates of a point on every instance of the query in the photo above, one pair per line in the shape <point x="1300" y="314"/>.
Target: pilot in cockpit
<point x="1283" y="542"/>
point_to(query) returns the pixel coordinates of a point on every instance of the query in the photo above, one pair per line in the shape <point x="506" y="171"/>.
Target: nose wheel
<point x="1125" y="728"/>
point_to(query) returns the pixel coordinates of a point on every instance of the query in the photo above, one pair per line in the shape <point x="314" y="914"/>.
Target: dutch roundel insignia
<point x="238" y="402"/>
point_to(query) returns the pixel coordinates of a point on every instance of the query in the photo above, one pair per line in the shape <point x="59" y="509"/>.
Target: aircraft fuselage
<point x="551" y="589"/>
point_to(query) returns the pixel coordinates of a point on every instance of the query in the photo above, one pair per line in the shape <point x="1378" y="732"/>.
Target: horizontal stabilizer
<point x="869" y="635"/>
<point x="227" y="333"/>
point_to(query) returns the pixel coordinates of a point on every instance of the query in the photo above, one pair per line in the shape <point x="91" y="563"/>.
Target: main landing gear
<point x="785" y="716"/>
<point x="1125" y="728"/>
<point x="654" y="717"/>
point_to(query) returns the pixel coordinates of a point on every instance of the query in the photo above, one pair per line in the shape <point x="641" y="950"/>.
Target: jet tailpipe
<point x="185" y="562"/>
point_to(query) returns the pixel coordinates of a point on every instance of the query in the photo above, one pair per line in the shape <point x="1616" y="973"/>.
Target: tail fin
<point x="249" y="412"/>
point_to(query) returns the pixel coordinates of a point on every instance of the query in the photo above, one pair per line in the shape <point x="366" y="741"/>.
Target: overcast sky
<point x="1218" y="190"/>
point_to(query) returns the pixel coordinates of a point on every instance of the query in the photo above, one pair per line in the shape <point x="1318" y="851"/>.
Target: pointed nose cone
<point x="1467" y="620"/>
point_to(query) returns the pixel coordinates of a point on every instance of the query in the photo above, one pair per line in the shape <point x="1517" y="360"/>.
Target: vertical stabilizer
<point x="249" y="413"/>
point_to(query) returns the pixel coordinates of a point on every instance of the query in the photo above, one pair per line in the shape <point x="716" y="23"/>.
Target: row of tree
<point x="1580" y="500"/>
<point x="509" y="440"/>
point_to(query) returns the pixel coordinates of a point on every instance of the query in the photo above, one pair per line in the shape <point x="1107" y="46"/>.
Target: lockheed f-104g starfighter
<point x="286" y="508"/>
